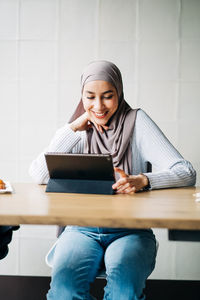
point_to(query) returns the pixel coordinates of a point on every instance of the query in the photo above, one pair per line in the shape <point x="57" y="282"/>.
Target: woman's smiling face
<point x="100" y="101"/>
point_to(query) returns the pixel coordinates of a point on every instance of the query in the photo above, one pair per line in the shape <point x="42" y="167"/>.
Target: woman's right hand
<point x="81" y="123"/>
<point x="84" y="123"/>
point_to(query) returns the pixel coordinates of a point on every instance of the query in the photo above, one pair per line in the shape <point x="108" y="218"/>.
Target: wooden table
<point x="167" y="208"/>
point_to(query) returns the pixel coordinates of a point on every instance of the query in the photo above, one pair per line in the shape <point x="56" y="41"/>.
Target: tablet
<point x="80" y="166"/>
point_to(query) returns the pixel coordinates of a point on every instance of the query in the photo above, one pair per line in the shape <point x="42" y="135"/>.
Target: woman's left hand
<point x="129" y="184"/>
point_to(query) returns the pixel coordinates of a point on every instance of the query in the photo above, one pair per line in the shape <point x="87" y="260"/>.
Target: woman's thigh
<point x="129" y="260"/>
<point x="78" y="254"/>
<point x="76" y="262"/>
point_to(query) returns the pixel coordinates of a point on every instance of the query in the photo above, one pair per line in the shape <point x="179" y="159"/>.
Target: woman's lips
<point x="100" y="115"/>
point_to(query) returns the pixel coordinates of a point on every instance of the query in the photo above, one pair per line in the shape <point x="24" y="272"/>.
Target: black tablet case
<point x="80" y="173"/>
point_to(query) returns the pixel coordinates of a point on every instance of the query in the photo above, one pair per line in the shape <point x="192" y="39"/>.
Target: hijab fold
<point x="117" y="139"/>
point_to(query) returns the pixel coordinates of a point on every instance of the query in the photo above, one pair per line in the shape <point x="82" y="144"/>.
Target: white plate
<point x="197" y="195"/>
<point x="8" y="188"/>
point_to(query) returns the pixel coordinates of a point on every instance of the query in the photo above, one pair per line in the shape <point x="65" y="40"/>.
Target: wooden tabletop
<point x="166" y="208"/>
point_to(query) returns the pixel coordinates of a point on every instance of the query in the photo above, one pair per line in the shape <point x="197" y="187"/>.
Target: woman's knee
<point x="70" y="281"/>
<point x="131" y="254"/>
<point x="134" y="258"/>
<point x="125" y="279"/>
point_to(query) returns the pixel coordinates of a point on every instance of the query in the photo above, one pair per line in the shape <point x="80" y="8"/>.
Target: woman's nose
<point x="98" y="104"/>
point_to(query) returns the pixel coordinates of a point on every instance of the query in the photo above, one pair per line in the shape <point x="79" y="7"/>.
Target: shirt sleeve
<point x="170" y="169"/>
<point x="65" y="140"/>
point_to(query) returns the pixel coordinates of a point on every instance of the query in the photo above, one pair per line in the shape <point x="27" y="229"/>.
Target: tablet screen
<point x="80" y="166"/>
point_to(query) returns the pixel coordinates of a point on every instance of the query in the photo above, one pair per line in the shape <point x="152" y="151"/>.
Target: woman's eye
<point x="104" y="97"/>
<point x="108" y="97"/>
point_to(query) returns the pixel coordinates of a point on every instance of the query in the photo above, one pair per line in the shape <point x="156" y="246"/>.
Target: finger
<point x="120" y="189"/>
<point x="121" y="172"/>
<point x="123" y="187"/>
<point x="133" y="190"/>
<point x="119" y="183"/>
<point x="97" y="127"/>
<point x="125" y="192"/>
<point x="105" y="127"/>
<point x="100" y="129"/>
<point x="129" y="190"/>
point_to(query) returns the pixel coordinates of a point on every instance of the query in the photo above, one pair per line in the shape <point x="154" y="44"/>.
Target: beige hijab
<point x="117" y="139"/>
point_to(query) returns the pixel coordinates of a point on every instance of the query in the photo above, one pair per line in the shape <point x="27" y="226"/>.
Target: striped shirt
<point x="149" y="144"/>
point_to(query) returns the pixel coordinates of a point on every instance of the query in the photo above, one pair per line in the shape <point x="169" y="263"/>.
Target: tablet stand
<point x="80" y="186"/>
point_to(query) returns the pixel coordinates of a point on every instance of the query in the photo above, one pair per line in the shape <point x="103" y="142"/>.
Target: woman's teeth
<point x="100" y="115"/>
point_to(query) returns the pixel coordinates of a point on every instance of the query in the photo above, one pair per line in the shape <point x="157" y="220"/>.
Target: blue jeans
<point x="128" y="256"/>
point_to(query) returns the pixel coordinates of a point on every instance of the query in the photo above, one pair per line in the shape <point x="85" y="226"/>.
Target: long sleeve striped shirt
<point x="149" y="144"/>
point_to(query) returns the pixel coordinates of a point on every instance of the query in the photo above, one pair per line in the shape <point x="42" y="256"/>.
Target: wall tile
<point x="38" y="19"/>
<point x="196" y="165"/>
<point x="122" y="54"/>
<point x="15" y="234"/>
<point x="37" y="101"/>
<point x="9" y="101"/>
<point x="190" y="20"/>
<point x="78" y="16"/>
<point x="158" y="19"/>
<point x="8" y="170"/>
<point x="165" y="261"/>
<point x="189" y="102"/>
<point x="117" y="20"/>
<point x="32" y="252"/>
<point x="23" y="170"/>
<point x="170" y="129"/>
<point x="61" y="123"/>
<point x="161" y="234"/>
<point x="8" y="149"/>
<point x="37" y="60"/>
<point x="187" y="261"/>
<point x="188" y="140"/>
<point x="189" y="61"/>
<point x="8" y="60"/>
<point x="9" y="265"/>
<point x="158" y="97"/>
<point x="158" y="61"/>
<point x="130" y="93"/>
<point x="8" y="19"/>
<point x="34" y="137"/>
<point x="38" y="231"/>
<point x="69" y="97"/>
<point x="74" y="56"/>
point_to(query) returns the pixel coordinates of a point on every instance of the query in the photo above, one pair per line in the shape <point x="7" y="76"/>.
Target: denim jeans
<point x="128" y="256"/>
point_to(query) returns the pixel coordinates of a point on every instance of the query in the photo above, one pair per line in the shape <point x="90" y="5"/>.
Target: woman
<point x="104" y="123"/>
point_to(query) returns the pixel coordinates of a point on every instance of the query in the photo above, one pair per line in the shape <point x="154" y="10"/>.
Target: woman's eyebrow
<point x="109" y="91"/>
<point x="89" y="92"/>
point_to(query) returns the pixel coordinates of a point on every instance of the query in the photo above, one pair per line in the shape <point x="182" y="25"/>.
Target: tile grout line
<point x="18" y="89"/>
<point x="97" y="31"/>
<point x="136" y="76"/>
<point x="57" y="61"/>
<point x="18" y="119"/>
<point x="178" y="70"/>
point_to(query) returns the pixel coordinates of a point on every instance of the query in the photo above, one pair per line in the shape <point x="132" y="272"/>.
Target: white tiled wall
<point x="45" y="44"/>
